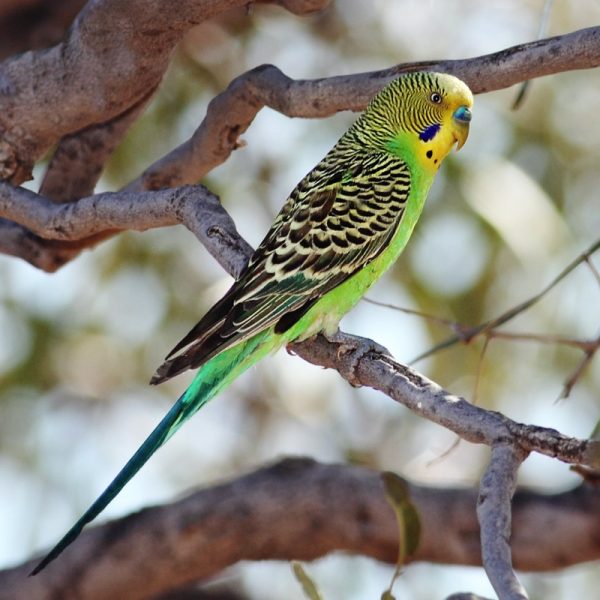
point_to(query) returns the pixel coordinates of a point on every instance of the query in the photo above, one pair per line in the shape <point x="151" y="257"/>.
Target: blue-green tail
<point x="215" y="375"/>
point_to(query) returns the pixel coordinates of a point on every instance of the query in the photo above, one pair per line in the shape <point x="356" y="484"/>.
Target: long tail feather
<point x="156" y="439"/>
<point x="214" y="376"/>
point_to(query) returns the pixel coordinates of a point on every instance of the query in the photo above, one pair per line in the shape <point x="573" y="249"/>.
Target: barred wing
<point x="339" y="218"/>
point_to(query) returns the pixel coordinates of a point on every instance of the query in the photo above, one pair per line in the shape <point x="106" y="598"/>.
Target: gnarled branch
<point x="230" y="114"/>
<point x="304" y="510"/>
<point x="48" y="233"/>
<point x="89" y="218"/>
<point x="120" y="50"/>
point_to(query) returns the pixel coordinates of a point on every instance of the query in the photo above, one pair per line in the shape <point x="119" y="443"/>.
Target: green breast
<point x="327" y="312"/>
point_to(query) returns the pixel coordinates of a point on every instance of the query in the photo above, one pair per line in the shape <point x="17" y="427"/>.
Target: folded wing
<point x="338" y="219"/>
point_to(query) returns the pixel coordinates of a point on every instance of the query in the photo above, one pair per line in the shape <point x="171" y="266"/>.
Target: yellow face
<point x="449" y="102"/>
<point x="419" y="117"/>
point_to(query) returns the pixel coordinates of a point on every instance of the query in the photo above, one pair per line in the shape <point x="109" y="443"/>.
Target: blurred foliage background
<point x="505" y="216"/>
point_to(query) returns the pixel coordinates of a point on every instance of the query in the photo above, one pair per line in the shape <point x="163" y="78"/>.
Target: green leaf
<point x="308" y="585"/>
<point x="397" y="493"/>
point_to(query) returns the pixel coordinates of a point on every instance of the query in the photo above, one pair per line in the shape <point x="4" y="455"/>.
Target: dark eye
<point x="436" y="98"/>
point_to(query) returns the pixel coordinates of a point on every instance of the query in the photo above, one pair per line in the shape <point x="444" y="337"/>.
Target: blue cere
<point x="462" y="114"/>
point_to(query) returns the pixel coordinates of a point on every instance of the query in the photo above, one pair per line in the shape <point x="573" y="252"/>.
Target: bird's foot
<point x="351" y="350"/>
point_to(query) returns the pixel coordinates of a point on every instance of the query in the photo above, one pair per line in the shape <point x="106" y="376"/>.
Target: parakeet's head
<point x="423" y="114"/>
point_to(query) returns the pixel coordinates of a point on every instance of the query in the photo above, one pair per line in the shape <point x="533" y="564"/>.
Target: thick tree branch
<point x="30" y="24"/>
<point x="303" y="510"/>
<point x="193" y="206"/>
<point x="79" y="159"/>
<point x="230" y="114"/>
<point x="115" y="52"/>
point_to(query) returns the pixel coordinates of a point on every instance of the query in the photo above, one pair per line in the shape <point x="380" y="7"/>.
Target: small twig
<point x="496" y="490"/>
<point x="578" y="372"/>
<point x="466" y="331"/>
<point x="469" y="334"/>
<point x="545" y="20"/>
<point x="593" y="269"/>
<point x="488" y="334"/>
<point x="479" y="372"/>
<point x="418" y="313"/>
<point x="585" y="345"/>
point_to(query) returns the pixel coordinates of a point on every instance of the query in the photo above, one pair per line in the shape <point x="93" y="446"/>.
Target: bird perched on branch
<point x="342" y="226"/>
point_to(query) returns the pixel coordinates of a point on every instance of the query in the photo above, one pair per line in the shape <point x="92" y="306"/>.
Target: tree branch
<point x="78" y="161"/>
<point x="193" y="206"/>
<point x="230" y="114"/>
<point x="304" y="510"/>
<point x="361" y="362"/>
<point x="496" y="490"/>
<point x="114" y="53"/>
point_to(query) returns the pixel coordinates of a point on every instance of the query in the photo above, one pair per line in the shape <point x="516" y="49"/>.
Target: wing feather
<point x="339" y="218"/>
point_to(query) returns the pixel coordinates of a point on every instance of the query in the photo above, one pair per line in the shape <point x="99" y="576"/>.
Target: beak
<point x="461" y="118"/>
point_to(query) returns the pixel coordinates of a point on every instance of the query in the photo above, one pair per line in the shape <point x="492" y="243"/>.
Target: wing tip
<point x="161" y="374"/>
<point x="174" y="366"/>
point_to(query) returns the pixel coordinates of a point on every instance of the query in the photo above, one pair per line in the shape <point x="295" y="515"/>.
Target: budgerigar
<point x="343" y="225"/>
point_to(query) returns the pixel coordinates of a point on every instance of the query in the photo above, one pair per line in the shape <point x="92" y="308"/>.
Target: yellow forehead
<point x="455" y="89"/>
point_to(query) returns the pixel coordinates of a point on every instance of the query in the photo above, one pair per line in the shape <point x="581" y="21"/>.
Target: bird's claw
<point x="350" y="351"/>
